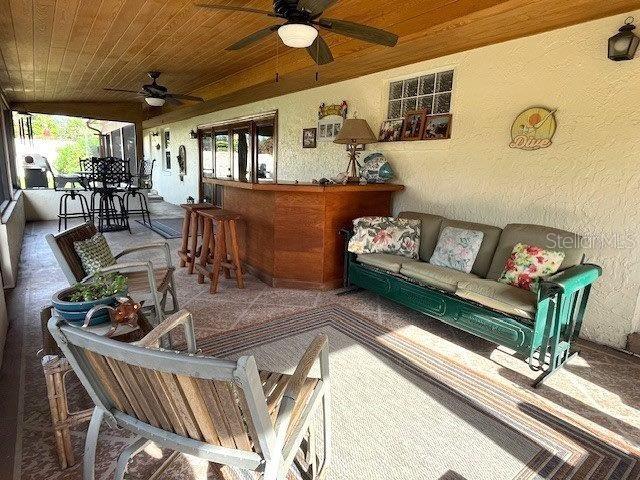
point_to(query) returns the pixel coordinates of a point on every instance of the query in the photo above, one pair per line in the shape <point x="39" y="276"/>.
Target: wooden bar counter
<point x="289" y="234"/>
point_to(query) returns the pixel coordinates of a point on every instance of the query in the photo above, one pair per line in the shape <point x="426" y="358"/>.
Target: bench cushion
<point x="539" y="236"/>
<point x="499" y="296"/>
<point x="443" y="278"/>
<point x="385" y="261"/>
<point x="429" y="231"/>
<point x="491" y="236"/>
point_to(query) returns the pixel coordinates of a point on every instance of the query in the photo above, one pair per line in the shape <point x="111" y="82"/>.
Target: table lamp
<point x="355" y="134"/>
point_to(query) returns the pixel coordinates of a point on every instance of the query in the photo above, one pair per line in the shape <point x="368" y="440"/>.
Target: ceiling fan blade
<point x="236" y="9"/>
<point x="173" y="100"/>
<point x="254" y="37"/>
<point x="315" y="7"/>
<point x="119" y="90"/>
<point x="319" y="51"/>
<point x="361" y="32"/>
<point x="179" y="96"/>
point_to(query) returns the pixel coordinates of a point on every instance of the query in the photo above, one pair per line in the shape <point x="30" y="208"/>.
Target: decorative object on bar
<point x="391" y="131"/>
<point x="437" y="127"/>
<point x="533" y="129"/>
<point x="309" y="137"/>
<point x="414" y="125"/>
<point x="301" y="27"/>
<point x="330" y="120"/>
<point x="182" y="162"/>
<point x="623" y="45"/>
<point x="156" y="95"/>
<point x="355" y="133"/>
<point x="193" y="134"/>
<point x="376" y="169"/>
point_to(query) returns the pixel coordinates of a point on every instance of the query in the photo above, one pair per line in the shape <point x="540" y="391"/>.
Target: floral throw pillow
<point x="457" y="248"/>
<point x="528" y="264"/>
<point x="398" y="236"/>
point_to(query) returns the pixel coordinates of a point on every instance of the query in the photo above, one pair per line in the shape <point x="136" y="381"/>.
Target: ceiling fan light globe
<point x="297" y="35"/>
<point x="154" y="101"/>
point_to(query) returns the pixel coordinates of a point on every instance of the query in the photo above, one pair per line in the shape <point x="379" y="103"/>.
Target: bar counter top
<point x="306" y="186"/>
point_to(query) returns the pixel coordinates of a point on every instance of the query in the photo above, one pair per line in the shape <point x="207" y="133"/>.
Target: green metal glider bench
<point x="540" y="327"/>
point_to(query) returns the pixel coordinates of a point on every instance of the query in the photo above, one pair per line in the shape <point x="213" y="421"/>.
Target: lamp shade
<point x="155" y="101"/>
<point x="297" y="35"/>
<point x="355" y="131"/>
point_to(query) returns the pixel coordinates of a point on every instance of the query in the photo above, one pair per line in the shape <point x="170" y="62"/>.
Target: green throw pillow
<point x="94" y="253"/>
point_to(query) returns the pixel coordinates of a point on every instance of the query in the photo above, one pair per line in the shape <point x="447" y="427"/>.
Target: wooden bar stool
<point x="217" y="223"/>
<point x="190" y="228"/>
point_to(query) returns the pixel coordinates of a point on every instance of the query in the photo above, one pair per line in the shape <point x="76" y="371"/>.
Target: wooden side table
<point x="56" y="368"/>
<point x="191" y="225"/>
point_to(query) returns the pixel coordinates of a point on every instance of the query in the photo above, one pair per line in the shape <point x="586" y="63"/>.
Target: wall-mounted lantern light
<point x="193" y="134"/>
<point x="623" y="45"/>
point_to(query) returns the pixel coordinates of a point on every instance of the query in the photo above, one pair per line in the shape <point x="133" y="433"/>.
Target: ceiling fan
<point x="301" y="27"/>
<point x="155" y="95"/>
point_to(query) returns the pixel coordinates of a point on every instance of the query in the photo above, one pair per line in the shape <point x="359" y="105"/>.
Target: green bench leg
<point x="554" y="368"/>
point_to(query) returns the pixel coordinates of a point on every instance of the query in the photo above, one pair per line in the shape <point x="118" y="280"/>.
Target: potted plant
<point x="73" y="303"/>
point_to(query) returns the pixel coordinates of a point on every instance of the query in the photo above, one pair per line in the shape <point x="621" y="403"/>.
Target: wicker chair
<point x="142" y="277"/>
<point x="226" y="412"/>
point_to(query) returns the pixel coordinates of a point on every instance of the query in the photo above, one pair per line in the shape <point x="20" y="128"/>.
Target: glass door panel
<point x="266" y="151"/>
<point x="222" y="159"/>
<point x="242" y="154"/>
<point x="206" y="153"/>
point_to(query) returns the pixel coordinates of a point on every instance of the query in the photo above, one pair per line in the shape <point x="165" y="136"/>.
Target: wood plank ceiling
<point x="69" y="50"/>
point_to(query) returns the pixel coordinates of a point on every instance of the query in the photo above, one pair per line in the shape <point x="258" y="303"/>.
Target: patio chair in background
<point x="221" y="411"/>
<point x="145" y="282"/>
<point x="61" y="184"/>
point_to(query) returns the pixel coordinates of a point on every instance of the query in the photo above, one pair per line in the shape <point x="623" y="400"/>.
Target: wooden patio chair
<point x="222" y="411"/>
<point x="142" y="277"/>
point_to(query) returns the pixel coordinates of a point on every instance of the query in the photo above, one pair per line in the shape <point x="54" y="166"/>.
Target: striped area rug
<point x="562" y="450"/>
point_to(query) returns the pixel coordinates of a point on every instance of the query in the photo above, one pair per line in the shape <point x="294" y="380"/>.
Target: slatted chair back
<point x="198" y="404"/>
<point x="62" y="247"/>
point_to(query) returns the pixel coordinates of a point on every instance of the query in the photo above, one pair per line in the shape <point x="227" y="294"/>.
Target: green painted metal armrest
<point x="570" y="280"/>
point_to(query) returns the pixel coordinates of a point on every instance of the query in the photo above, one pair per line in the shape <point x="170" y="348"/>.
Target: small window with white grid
<point x="430" y="92"/>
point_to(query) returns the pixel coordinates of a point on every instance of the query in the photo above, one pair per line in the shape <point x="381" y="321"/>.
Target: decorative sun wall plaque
<point x="330" y="120"/>
<point x="533" y="129"/>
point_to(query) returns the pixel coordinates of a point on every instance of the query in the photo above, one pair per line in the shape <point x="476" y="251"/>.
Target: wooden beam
<point x="118" y="111"/>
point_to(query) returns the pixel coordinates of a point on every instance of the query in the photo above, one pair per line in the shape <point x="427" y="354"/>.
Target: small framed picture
<point x="323" y="131"/>
<point x="437" y="127"/>
<point x="414" y="125"/>
<point x="309" y="137"/>
<point x="390" y="131"/>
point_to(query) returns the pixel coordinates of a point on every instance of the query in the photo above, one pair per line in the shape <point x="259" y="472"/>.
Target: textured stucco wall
<point x="11" y="233"/>
<point x="586" y="182"/>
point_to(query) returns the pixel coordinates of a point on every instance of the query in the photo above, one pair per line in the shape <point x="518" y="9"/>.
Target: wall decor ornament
<point x="309" y="137"/>
<point x="330" y="120"/>
<point x="182" y="162"/>
<point x="533" y="128"/>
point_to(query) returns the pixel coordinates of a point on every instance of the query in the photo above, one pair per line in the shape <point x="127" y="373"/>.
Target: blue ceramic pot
<point x="75" y="312"/>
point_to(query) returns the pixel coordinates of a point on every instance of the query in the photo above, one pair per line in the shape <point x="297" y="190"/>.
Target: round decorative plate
<point x="533" y="129"/>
